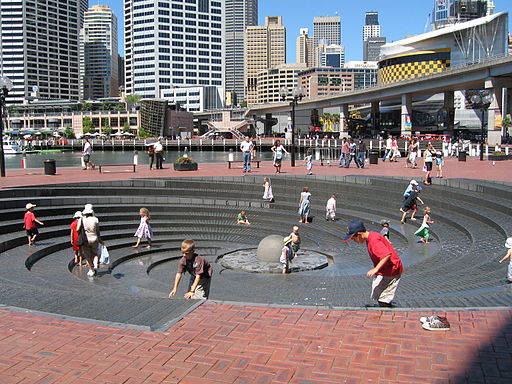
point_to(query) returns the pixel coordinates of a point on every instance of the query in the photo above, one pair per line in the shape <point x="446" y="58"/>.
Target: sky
<point x="398" y="18"/>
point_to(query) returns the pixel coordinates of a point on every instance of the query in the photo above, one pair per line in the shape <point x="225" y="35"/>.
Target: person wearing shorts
<point x="30" y="223"/>
<point x="387" y="265"/>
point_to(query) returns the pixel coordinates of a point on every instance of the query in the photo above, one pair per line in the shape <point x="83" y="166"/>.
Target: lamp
<point x="5" y="87"/>
<point x="297" y="94"/>
<point x="482" y="102"/>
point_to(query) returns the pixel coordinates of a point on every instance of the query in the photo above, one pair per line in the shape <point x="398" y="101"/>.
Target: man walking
<point x="389" y="144"/>
<point x="159" y="153"/>
<point x="361" y="153"/>
<point x="345" y="153"/>
<point x="246" y="148"/>
<point x="86" y="153"/>
<point x="387" y="265"/>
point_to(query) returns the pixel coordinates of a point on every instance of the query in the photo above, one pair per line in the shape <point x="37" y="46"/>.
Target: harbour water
<point x="72" y="158"/>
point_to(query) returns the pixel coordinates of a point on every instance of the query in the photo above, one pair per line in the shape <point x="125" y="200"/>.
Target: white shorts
<point x="384" y="287"/>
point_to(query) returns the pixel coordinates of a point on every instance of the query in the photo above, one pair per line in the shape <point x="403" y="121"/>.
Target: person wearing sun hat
<point x="286" y="254"/>
<point x="74" y="238"/>
<point x="508" y="244"/>
<point x="387" y="265"/>
<point x="30" y="223"/>
<point x="92" y="230"/>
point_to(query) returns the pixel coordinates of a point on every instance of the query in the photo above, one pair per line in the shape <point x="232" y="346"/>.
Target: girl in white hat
<point x="508" y="244"/>
<point x="74" y="238"/>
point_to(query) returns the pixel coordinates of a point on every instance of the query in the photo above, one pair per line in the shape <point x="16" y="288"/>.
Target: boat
<point x="11" y="147"/>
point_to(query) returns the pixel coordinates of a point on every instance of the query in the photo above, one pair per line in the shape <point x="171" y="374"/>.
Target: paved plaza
<point x="311" y="327"/>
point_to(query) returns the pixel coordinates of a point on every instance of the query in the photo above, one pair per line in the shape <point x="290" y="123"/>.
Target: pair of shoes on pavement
<point x="91" y="272"/>
<point x="435" y="323"/>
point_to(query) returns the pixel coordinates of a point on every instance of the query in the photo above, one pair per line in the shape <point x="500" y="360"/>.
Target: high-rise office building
<point x="265" y="48"/>
<point x="39" y="47"/>
<point x="331" y="55"/>
<point x="305" y="49"/>
<point x="327" y="29"/>
<point x="372" y="40"/>
<point x="98" y="54"/>
<point x="449" y="12"/>
<point x="173" y="43"/>
<point x="240" y="14"/>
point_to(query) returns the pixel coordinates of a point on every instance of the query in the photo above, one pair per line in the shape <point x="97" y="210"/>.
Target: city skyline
<point x="403" y="19"/>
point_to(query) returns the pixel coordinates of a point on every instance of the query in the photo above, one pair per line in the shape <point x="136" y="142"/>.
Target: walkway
<point x="224" y="343"/>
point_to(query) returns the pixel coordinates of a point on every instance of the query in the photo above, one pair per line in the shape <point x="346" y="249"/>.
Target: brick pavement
<point x="220" y="343"/>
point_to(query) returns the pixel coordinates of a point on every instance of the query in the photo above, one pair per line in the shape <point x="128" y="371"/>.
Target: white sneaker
<point x="91" y="272"/>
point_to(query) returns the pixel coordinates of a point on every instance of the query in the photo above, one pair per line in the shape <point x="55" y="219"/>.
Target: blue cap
<point x="353" y="227"/>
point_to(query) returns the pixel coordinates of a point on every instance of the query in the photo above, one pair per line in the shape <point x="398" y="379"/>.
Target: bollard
<point x="231" y="155"/>
<point x="24" y="161"/>
<point x="136" y="158"/>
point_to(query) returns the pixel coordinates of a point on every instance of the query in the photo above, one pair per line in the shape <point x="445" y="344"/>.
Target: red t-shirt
<point x="29" y="220"/>
<point x="73" y="226"/>
<point x="379" y="248"/>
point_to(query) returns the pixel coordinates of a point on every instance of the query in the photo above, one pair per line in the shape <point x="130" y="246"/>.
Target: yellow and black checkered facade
<point x="412" y="65"/>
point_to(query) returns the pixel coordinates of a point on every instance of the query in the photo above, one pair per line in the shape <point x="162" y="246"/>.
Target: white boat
<point x="11" y="147"/>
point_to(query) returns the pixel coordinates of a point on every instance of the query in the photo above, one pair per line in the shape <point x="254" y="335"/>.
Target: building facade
<point x="36" y="54"/>
<point x="240" y="14"/>
<point x="272" y="80"/>
<point x="193" y="99"/>
<point x="327" y="29"/>
<point x="265" y="48"/>
<point x="449" y="12"/>
<point x="372" y="40"/>
<point x="305" y="48"/>
<point x="331" y="55"/>
<point x="98" y="54"/>
<point x="172" y="44"/>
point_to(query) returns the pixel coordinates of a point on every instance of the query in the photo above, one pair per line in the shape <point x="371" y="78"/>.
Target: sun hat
<point x="287" y="239"/>
<point x="508" y="243"/>
<point x="384" y="221"/>
<point x="353" y="227"/>
<point x="87" y="209"/>
<point x="413" y="182"/>
<point x="77" y="215"/>
<point x="30" y="205"/>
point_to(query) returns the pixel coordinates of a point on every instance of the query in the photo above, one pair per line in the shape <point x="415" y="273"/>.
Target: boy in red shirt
<point x="387" y="265"/>
<point x="30" y="223"/>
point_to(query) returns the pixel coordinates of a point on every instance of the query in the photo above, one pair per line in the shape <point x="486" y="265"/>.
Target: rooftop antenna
<point x="429" y="17"/>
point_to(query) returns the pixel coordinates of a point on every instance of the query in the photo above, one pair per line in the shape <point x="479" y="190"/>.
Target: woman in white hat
<point x="508" y="256"/>
<point x="92" y="230"/>
<point x="74" y="238"/>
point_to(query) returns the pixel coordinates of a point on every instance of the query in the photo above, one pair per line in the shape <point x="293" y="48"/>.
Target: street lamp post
<point x="297" y="94"/>
<point x="482" y="102"/>
<point x="5" y="87"/>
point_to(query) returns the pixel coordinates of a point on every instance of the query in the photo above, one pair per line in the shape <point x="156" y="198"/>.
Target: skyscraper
<point x="265" y="48"/>
<point x="98" y="54"/>
<point x="172" y="44"/>
<point x="449" y="12"/>
<point x="372" y="40"/>
<point x="39" y="47"/>
<point x="327" y="29"/>
<point x="305" y="48"/>
<point x="240" y="14"/>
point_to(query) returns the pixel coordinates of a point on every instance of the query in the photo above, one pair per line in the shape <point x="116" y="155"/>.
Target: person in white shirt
<point x="86" y="153"/>
<point x="159" y="153"/>
<point x="330" y="208"/>
<point x="246" y="148"/>
<point x="389" y="144"/>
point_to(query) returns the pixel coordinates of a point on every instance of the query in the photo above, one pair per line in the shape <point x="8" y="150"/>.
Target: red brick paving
<point x="235" y="344"/>
<point x="472" y="169"/>
<point x="219" y="343"/>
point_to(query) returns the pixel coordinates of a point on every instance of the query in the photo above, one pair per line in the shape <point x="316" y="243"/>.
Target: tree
<point x="133" y="98"/>
<point x="107" y="130"/>
<point x="87" y="124"/>
<point x="107" y="106"/>
<point x="69" y="133"/>
<point x="143" y="134"/>
<point x="86" y="106"/>
<point x="126" y="127"/>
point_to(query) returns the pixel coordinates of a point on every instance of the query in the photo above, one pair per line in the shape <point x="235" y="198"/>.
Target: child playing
<point x="423" y="231"/>
<point x="74" y="238"/>
<point x="439" y="164"/>
<point x="30" y="223"/>
<point x="508" y="256"/>
<point x="385" y="228"/>
<point x="267" y="194"/>
<point x="308" y="161"/>
<point x="330" y="208"/>
<point x="286" y="254"/>
<point x="242" y="218"/>
<point x="200" y="271"/>
<point x="144" y="231"/>
<point x="295" y="240"/>
<point x="410" y="204"/>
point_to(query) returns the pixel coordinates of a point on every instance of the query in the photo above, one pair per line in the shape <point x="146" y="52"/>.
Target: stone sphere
<point x="270" y="248"/>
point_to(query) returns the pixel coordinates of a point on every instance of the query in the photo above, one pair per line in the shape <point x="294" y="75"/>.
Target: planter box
<point x="499" y="157"/>
<point x="185" y="167"/>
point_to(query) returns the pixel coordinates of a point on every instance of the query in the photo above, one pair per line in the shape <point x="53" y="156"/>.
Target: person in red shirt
<point x="74" y="238"/>
<point x="30" y="223"/>
<point x="387" y="265"/>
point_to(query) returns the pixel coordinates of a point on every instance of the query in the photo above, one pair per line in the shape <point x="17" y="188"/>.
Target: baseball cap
<point x="508" y="243"/>
<point x="413" y="182"/>
<point x="353" y="227"/>
<point x="30" y="205"/>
